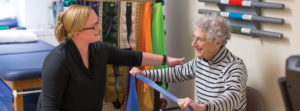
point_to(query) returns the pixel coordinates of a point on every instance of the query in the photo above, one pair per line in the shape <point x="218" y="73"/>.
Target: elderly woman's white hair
<point x="214" y="26"/>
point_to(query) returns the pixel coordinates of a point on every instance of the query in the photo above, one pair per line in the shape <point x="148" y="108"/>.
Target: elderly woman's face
<point x="204" y="48"/>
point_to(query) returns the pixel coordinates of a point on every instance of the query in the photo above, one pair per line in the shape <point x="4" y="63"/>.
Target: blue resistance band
<point x="159" y="89"/>
<point x="132" y="102"/>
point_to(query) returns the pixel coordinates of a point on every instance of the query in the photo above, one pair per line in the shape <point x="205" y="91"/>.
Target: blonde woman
<point x="74" y="72"/>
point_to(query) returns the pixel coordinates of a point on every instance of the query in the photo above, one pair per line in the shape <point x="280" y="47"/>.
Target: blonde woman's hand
<point x="171" y="61"/>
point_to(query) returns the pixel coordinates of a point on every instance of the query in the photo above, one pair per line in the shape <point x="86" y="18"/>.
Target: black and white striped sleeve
<point x="175" y="74"/>
<point x="235" y="89"/>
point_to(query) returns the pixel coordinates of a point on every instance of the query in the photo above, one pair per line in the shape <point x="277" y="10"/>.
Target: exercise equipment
<point x="159" y="89"/>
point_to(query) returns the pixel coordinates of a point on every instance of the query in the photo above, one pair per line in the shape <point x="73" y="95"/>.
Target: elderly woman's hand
<point x="135" y="71"/>
<point x="183" y="103"/>
<point x="174" y="61"/>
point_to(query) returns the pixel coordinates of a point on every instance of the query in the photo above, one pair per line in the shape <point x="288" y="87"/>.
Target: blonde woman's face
<point x="90" y="33"/>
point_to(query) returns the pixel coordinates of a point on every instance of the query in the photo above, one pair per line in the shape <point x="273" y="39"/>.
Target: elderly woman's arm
<point x="175" y="74"/>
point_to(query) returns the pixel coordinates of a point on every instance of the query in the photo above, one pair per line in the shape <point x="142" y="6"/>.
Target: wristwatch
<point x="164" y="60"/>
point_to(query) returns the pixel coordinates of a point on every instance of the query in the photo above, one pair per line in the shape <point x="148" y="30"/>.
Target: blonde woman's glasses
<point x="90" y="28"/>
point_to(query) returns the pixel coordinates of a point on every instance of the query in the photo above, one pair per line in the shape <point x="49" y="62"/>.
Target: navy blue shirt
<point x="69" y="86"/>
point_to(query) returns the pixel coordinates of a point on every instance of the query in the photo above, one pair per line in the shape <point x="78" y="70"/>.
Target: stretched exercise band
<point x="159" y="89"/>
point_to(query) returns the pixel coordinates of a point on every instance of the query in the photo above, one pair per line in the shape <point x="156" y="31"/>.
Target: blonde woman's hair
<point x="70" y="21"/>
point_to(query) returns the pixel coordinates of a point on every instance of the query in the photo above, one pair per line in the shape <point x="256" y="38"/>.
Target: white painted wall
<point x="6" y="8"/>
<point x="264" y="57"/>
<point x="178" y="40"/>
<point x="33" y="14"/>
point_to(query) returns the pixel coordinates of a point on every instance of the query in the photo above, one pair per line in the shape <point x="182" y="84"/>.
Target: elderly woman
<point x="220" y="76"/>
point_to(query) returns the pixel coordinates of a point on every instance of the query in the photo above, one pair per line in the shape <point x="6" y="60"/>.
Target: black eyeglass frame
<point x="89" y="28"/>
<point x="93" y="27"/>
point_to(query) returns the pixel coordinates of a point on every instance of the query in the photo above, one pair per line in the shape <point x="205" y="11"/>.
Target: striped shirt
<point x="220" y="83"/>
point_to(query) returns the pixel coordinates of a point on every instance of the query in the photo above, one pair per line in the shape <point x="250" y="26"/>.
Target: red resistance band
<point x="235" y="2"/>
